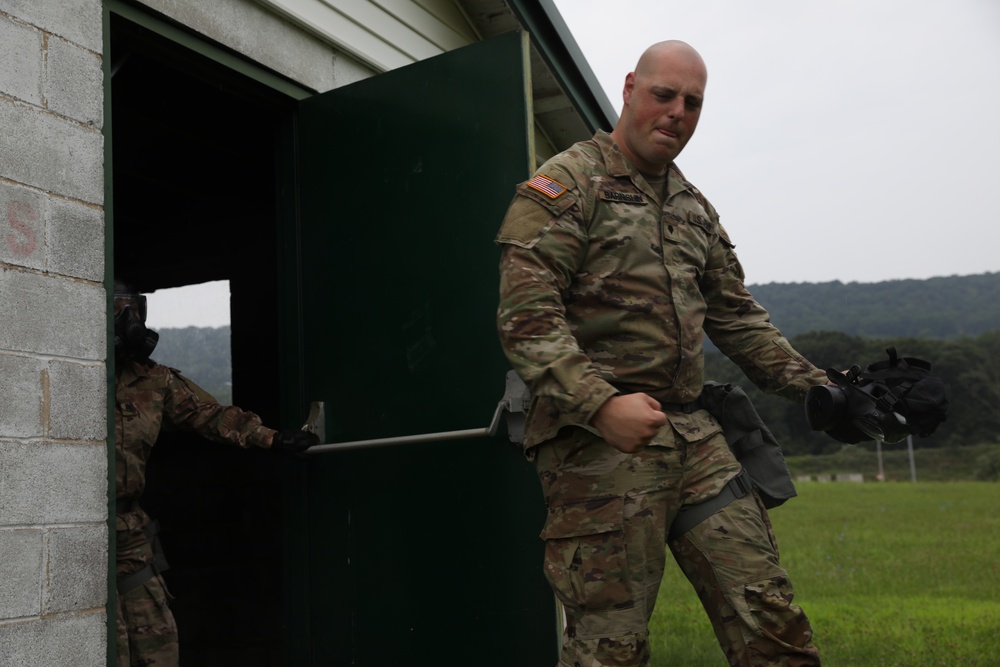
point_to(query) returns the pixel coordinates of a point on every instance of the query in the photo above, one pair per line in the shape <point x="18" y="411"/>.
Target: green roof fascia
<point x="555" y="42"/>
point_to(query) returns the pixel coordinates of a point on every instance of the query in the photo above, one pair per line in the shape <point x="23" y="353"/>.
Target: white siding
<point x="386" y="34"/>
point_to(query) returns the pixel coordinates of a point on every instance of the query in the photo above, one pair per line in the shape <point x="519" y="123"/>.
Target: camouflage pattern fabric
<point x="147" y="633"/>
<point x="744" y="590"/>
<point x="605" y="288"/>
<point x="150" y="397"/>
<point x="608" y="517"/>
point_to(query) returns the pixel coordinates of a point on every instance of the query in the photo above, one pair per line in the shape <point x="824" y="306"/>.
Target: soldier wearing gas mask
<point x="149" y="396"/>
<point x="132" y="339"/>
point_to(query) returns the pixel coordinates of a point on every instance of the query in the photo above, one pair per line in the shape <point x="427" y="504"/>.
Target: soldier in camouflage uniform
<point x="149" y="397"/>
<point x="612" y="267"/>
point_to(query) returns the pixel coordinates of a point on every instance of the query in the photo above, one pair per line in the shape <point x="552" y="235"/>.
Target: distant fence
<point x="841" y="477"/>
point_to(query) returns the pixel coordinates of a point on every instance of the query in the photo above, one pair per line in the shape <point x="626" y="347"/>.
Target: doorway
<point x="195" y="183"/>
<point x="367" y="284"/>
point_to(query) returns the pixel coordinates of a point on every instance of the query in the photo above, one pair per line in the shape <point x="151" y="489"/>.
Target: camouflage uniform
<point x="606" y="289"/>
<point x="149" y="397"/>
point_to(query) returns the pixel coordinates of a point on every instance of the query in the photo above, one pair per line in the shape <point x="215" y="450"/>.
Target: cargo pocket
<point x="586" y="561"/>
<point x="694" y="427"/>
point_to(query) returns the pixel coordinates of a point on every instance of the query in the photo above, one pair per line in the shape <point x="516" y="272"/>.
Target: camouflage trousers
<point x="146" y="631"/>
<point x="608" y="517"/>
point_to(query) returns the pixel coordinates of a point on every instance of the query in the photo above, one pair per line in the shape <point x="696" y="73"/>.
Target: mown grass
<point x="890" y="574"/>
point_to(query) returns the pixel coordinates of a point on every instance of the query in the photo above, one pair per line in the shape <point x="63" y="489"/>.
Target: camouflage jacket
<point x="149" y="397"/>
<point x="606" y="289"/>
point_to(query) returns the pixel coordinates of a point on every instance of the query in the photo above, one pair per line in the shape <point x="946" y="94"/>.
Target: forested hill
<point x="202" y="354"/>
<point x="954" y="323"/>
<point x="941" y="308"/>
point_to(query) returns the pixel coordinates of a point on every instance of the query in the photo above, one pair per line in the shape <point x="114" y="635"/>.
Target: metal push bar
<point x="513" y="406"/>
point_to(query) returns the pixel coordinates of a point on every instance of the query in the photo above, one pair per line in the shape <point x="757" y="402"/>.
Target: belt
<point x="686" y="408"/>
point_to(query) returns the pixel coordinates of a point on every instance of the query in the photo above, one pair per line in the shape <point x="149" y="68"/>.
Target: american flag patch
<point x="546" y="186"/>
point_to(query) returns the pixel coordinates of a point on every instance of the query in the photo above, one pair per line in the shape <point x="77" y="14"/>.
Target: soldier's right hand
<point x="293" y="441"/>
<point x="629" y="422"/>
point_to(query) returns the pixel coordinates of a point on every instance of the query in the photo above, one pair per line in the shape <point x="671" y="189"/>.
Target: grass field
<point x="890" y="574"/>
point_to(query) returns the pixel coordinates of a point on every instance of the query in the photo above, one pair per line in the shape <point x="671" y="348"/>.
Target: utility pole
<point x="913" y="465"/>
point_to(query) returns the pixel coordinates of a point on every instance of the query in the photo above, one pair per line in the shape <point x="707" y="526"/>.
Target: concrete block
<point x="77" y="569"/>
<point x="45" y="483"/>
<point x="51" y="153"/>
<point x="20" y="585"/>
<point x="51" y="315"/>
<point x="76" y="240"/>
<point x="78" y="408"/>
<point x="57" y="641"/>
<point x="74" y="83"/>
<point x="21" y="55"/>
<point x="21" y="401"/>
<point x="79" y="21"/>
<point x="23" y="213"/>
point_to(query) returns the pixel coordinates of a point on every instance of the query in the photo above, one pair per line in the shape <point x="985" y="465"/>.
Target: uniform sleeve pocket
<point x="586" y="561"/>
<point x="531" y="215"/>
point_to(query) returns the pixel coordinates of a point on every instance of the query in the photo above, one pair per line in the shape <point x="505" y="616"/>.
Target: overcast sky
<point x="851" y="140"/>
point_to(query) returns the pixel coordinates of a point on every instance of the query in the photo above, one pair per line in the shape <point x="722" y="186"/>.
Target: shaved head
<point x="672" y="48"/>
<point x="662" y="105"/>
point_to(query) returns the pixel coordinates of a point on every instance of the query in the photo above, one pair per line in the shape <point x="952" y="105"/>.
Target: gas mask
<point x="132" y="339"/>
<point x="888" y="401"/>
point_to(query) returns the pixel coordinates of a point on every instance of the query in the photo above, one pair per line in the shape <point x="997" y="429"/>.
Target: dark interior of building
<point x="366" y="556"/>
<point x="195" y="154"/>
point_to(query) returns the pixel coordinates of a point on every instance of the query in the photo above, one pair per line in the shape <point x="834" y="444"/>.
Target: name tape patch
<point x="546" y="186"/>
<point x="624" y="197"/>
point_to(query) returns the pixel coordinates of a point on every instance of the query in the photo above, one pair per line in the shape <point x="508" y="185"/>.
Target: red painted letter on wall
<point x="21" y="239"/>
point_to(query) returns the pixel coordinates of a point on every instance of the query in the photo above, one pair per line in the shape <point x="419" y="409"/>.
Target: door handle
<point x="512" y="409"/>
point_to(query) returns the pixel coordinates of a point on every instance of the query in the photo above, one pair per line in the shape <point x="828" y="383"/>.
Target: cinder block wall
<point x="53" y="392"/>
<point x="53" y="402"/>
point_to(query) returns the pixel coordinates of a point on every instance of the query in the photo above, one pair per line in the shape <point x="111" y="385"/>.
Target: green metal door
<point x="422" y="553"/>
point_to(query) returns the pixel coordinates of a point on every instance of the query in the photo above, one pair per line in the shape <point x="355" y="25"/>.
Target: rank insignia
<point x="546" y="186"/>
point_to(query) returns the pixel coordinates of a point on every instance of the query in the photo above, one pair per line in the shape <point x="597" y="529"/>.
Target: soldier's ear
<point x="629" y="88"/>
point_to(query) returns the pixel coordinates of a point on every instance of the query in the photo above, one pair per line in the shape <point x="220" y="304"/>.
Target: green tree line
<point x="948" y="307"/>
<point x="970" y="368"/>
<point x="202" y="354"/>
<point x="951" y="322"/>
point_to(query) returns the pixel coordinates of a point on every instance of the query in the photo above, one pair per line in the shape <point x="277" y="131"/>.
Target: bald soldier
<point x="613" y="266"/>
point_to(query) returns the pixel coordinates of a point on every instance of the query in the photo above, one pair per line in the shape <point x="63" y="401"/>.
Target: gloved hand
<point x="293" y="441"/>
